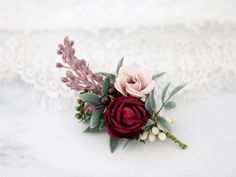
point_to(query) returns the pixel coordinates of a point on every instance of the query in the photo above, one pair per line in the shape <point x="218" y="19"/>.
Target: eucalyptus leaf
<point x="163" y="125"/>
<point x="112" y="76"/>
<point x="177" y="89"/>
<point x="140" y="141"/>
<point x="170" y="105"/>
<point x="94" y="120"/>
<point x="119" y="65"/>
<point x="156" y="76"/>
<point x="150" y="103"/>
<point x="113" y="144"/>
<point x="127" y="143"/>
<point x="88" y="116"/>
<point x="102" y="125"/>
<point x="90" y="98"/>
<point x="137" y="141"/>
<point x="149" y="123"/>
<point x="163" y="95"/>
<point x="106" y="85"/>
<point x="92" y="130"/>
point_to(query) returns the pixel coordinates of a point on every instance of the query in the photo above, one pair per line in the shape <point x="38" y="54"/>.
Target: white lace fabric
<point x="203" y="55"/>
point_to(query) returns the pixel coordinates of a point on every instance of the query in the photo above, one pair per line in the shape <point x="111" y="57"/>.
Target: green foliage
<point x="163" y="95"/>
<point x="81" y="115"/>
<point x="113" y="144"/>
<point x="149" y="124"/>
<point x="106" y="85"/>
<point x="170" y="105"/>
<point x="92" y="130"/>
<point x="150" y="104"/>
<point x="102" y="126"/>
<point x="94" y="120"/>
<point x="119" y="65"/>
<point x="156" y="76"/>
<point x="163" y="125"/>
<point x="139" y="141"/>
<point x="176" y="90"/>
<point x="165" y="102"/>
<point x="127" y="143"/>
<point x="112" y="76"/>
<point x="90" y="98"/>
<point x="176" y="140"/>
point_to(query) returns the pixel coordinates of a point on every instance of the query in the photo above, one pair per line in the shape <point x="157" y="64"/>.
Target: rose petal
<point x="145" y="76"/>
<point x="120" y="86"/>
<point x="148" y="88"/>
<point x="137" y="83"/>
<point x="133" y="92"/>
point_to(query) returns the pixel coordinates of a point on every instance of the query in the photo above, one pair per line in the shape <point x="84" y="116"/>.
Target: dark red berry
<point x="105" y="100"/>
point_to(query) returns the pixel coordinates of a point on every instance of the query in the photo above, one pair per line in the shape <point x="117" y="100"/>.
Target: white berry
<point x="144" y="135"/>
<point x="155" y="131"/>
<point x="162" y="136"/>
<point x="151" y="137"/>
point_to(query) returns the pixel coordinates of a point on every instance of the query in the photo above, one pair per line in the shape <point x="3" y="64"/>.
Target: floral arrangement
<point x="120" y="104"/>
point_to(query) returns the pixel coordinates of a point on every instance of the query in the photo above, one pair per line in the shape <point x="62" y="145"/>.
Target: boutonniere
<point x="120" y="104"/>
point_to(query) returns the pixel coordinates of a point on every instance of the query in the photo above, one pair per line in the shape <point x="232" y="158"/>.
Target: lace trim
<point x="203" y="55"/>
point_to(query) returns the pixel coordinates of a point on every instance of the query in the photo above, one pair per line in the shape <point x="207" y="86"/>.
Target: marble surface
<point x="35" y="143"/>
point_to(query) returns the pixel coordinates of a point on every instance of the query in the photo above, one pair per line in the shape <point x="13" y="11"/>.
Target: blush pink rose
<point x="136" y="82"/>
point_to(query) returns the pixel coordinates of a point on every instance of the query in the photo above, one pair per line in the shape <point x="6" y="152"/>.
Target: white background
<point x="51" y="143"/>
<point x="37" y="142"/>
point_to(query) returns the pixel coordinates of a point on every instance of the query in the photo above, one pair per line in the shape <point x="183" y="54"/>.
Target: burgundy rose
<point x="125" y="117"/>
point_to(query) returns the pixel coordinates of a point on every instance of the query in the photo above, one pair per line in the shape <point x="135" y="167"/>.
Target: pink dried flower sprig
<point x="78" y="77"/>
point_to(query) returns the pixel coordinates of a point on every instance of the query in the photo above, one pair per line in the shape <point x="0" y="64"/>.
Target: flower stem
<point x="162" y="106"/>
<point x="177" y="141"/>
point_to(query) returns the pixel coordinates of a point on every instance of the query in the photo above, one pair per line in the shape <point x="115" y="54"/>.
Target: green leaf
<point x="150" y="103"/>
<point x="139" y="141"/>
<point x="98" y="129"/>
<point x="90" y="98"/>
<point x="162" y="124"/>
<point x="149" y="123"/>
<point x="112" y="76"/>
<point x="87" y="117"/>
<point x="102" y="125"/>
<point x="94" y="120"/>
<point x="92" y="130"/>
<point x="119" y="65"/>
<point x="170" y="105"/>
<point x="127" y="143"/>
<point x="177" y="89"/>
<point x="152" y="100"/>
<point x="163" y="95"/>
<point x="106" y="85"/>
<point x="113" y="144"/>
<point x="156" y="76"/>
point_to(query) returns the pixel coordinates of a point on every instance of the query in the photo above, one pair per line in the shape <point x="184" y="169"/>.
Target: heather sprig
<point x="78" y="77"/>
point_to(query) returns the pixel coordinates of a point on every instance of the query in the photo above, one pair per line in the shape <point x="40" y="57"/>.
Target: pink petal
<point x="120" y="86"/>
<point x="149" y="88"/>
<point x="145" y="76"/>
<point x="137" y="85"/>
<point x="133" y="92"/>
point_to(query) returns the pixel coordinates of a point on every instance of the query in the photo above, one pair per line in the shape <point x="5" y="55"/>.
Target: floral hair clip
<point x="120" y="104"/>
